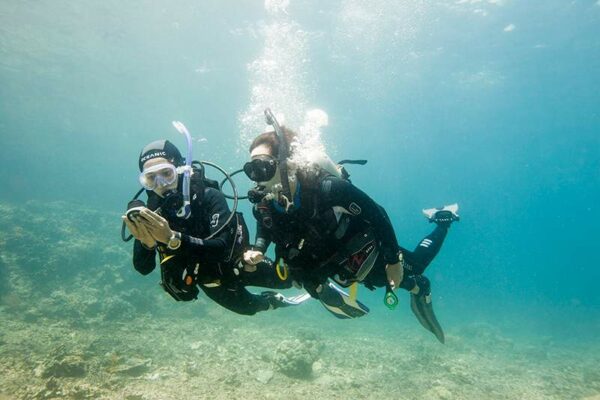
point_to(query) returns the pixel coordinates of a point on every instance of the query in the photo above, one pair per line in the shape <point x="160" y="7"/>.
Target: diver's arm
<point x="263" y="235"/>
<point x="256" y="253"/>
<point x="143" y="247"/>
<point x="217" y="213"/>
<point x="354" y="201"/>
<point x="144" y="259"/>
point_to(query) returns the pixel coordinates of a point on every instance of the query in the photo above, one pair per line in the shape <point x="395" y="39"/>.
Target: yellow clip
<point x="167" y="258"/>
<point x="282" y="275"/>
<point x="353" y="291"/>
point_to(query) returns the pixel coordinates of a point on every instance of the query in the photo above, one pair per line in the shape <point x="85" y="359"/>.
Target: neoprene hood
<point x="160" y="148"/>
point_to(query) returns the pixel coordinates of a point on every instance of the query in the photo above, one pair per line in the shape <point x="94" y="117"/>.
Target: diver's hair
<point x="271" y="140"/>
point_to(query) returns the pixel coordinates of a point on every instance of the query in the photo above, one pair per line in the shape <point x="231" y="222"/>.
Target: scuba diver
<point x="325" y="228"/>
<point x="199" y="241"/>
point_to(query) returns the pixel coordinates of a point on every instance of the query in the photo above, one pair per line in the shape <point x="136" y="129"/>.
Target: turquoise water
<point x="493" y="104"/>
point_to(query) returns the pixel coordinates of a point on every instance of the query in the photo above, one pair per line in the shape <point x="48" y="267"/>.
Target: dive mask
<point x="159" y="175"/>
<point x="261" y="169"/>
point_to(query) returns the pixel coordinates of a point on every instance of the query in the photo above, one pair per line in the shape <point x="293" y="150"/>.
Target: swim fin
<point x="278" y="300"/>
<point x="422" y="308"/>
<point x="339" y="303"/>
<point x="299" y="299"/>
<point x="446" y="214"/>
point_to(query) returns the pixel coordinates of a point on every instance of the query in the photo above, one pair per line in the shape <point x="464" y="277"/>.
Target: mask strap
<point x="183" y="169"/>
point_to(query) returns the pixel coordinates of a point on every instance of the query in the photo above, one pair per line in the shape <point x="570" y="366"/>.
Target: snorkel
<point x="186" y="209"/>
<point x="286" y="194"/>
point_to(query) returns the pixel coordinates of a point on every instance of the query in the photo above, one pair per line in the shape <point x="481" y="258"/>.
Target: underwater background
<point x="494" y="104"/>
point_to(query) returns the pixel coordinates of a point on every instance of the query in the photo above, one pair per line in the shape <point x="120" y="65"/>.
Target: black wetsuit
<point x="212" y="264"/>
<point x="329" y="213"/>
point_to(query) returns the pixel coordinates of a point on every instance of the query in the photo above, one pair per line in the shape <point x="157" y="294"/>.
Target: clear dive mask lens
<point x="261" y="169"/>
<point x="159" y="175"/>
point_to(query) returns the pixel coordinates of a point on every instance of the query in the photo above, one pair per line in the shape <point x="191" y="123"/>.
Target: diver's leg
<point x="416" y="284"/>
<point x="237" y="299"/>
<point x="418" y="260"/>
<point x="415" y="262"/>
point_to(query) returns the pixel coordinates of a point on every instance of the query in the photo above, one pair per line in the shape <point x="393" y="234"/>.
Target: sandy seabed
<point x="228" y="357"/>
<point x="76" y="322"/>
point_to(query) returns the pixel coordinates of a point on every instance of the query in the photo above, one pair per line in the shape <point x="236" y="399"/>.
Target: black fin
<point x="423" y="310"/>
<point x="338" y="302"/>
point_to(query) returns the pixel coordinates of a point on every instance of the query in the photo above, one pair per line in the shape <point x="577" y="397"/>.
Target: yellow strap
<point x="353" y="291"/>
<point x="167" y="258"/>
<point x="278" y="267"/>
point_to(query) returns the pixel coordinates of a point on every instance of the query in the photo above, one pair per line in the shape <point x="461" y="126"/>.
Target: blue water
<point x="492" y="104"/>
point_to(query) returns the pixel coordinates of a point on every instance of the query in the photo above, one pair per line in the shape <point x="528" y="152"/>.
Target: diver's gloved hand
<point x="139" y="231"/>
<point x="251" y="258"/>
<point x="156" y="225"/>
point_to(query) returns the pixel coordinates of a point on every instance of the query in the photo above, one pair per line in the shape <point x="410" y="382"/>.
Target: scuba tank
<point x="323" y="162"/>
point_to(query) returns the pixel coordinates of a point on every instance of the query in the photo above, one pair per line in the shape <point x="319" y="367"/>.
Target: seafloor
<point x="76" y="322"/>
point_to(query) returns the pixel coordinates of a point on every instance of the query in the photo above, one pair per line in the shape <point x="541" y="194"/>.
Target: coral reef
<point x="295" y="358"/>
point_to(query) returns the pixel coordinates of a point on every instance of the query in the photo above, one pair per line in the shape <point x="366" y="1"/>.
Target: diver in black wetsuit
<point x="188" y="261"/>
<point x="325" y="227"/>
